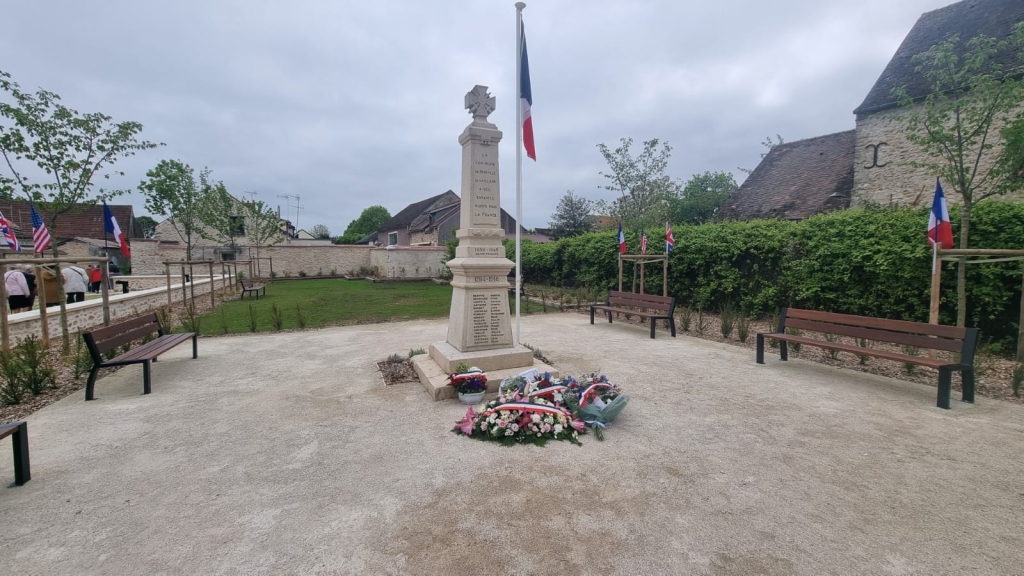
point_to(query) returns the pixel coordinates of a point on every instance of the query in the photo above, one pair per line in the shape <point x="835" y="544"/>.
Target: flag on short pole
<point x="110" y="226"/>
<point x="622" y="240"/>
<point x="40" y="236"/>
<point x="670" y="240"/>
<point x="526" y="100"/>
<point x="8" y="232"/>
<point x="940" y="228"/>
<point x="643" y="241"/>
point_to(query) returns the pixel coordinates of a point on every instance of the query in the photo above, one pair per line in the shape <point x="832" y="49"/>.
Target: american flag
<point x="643" y="242"/>
<point x="40" y="236"/>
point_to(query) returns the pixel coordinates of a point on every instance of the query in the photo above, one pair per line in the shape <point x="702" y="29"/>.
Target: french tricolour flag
<point x="622" y="240"/>
<point x="526" y="100"/>
<point x="940" y="228"/>
<point x="110" y="226"/>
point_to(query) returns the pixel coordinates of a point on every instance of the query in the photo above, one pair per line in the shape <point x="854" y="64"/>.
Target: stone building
<point x="77" y="233"/>
<point x="171" y="234"/>
<point x="429" y="222"/>
<point x="872" y="163"/>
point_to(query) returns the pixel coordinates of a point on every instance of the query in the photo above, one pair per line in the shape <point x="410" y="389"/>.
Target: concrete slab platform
<point x="435" y="380"/>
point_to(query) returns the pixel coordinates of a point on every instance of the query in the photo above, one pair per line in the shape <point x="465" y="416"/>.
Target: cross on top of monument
<point x="479" y="103"/>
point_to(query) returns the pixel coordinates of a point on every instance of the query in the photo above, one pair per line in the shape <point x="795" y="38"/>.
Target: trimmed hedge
<point x="870" y="262"/>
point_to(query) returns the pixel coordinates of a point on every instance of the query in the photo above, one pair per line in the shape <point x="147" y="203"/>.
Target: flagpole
<point x="519" y="160"/>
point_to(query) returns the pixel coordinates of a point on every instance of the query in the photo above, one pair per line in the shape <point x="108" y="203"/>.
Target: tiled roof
<point x="81" y="223"/>
<point x="970" y="18"/>
<point x="412" y="211"/>
<point x="797" y="180"/>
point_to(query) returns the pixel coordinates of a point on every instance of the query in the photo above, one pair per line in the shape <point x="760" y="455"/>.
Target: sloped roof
<point x="80" y="223"/>
<point x="969" y="18"/>
<point x="797" y="180"/>
<point x="412" y="211"/>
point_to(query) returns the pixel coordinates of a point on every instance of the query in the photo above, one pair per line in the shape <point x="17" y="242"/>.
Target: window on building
<point x="238" y="225"/>
<point x="392" y="238"/>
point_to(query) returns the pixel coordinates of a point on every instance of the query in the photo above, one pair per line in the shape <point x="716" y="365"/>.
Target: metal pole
<point x="105" y="293"/>
<point x="519" y="160"/>
<point x="933" y="311"/>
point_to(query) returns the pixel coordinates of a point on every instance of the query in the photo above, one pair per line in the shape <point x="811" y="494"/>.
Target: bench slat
<point x="919" y="360"/>
<point x="633" y="312"/>
<point x="152" y="349"/>
<point x="7" y="429"/>
<point x="877" y="335"/>
<point x="115" y="329"/>
<point x="653" y="298"/>
<point x="638" y="303"/>
<point x="135" y="334"/>
<point x="879" y="323"/>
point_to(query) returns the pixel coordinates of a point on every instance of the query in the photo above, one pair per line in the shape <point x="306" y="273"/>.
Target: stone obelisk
<point x="479" y="329"/>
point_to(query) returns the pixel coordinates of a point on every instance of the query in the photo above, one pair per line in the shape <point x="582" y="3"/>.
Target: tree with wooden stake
<point x="970" y="96"/>
<point x="67" y="149"/>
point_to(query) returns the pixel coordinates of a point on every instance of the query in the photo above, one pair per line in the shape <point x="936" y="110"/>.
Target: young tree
<point x="369" y="221"/>
<point x="641" y="181"/>
<point x="320" y="231"/>
<point x="769" y="144"/>
<point x="148" y="226"/>
<point x="64" y="151"/>
<point x="969" y="97"/>
<point x="172" y="191"/>
<point x="219" y="212"/>
<point x="572" y="217"/>
<point x="262" y="225"/>
<point x="701" y="197"/>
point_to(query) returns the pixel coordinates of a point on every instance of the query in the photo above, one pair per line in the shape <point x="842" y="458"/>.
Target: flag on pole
<point x="110" y="225"/>
<point x="526" y="100"/>
<point x="622" y="240"/>
<point x="940" y="228"/>
<point x="670" y="240"/>
<point x="8" y="232"/>
<point x="643" y="241"/>
<point x="40" y="236"/>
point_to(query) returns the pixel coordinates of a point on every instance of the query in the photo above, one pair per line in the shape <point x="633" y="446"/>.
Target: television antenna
<point x="288" y="205"/>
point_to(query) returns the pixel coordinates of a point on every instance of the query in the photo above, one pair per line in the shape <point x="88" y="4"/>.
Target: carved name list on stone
<point x="486" y="313"/>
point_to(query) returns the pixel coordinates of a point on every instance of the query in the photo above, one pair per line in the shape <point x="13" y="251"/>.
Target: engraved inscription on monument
<point x="484" y="188"/>
<point x="486" y="313"/>
<point x="486" y="251"/>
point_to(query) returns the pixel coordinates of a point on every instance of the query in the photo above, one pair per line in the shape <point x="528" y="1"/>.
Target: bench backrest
<point x="110" y="337"/>
<point x="919" y="334"/>
<point x="665" y="304"/>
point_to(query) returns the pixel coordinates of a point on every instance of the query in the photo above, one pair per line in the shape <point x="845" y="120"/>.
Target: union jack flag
<point x="40" y="236"/>
<point x="8" y="231"/>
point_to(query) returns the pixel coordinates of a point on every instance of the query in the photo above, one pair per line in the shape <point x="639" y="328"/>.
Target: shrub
<point x="302" y="273"/>
<point x="81" y="361"/>
<point x="192" y="320"/>
<point x="461" y="368"/>
<point x="727" y="322"/>
<point x="863" y="343"/>
<point x="416" y="352"/>
<point x="223" y="317"/>
<point x="686" y="318"/>
<point x="742" y="327"/>
<point x="1017" y="378"/>
<point x="164" y="316"/>
<point x="252" y="318"/>
<point x="702" y="323"/>
<point x="241" y="275"/>
<point x="795" y="346"/>
<point x="334" y="271"/>
<point x="835" y="339"/>
<point x="12" y="387"/>
<point x="393" y="371"/>
<point x="37" y="371"/>
<point x="300" y="316"/>
<point x="395" y="359"/>
<point x="273" y="274"/>
<point x="276" y="317"/>
<point x="910" y="351"/>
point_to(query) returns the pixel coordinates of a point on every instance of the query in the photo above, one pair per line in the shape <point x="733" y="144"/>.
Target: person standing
<point x="17" y="290"/>
<point x="75" y="280"/>
<point x="30" y="278"/>
<point x="95" y="277"/>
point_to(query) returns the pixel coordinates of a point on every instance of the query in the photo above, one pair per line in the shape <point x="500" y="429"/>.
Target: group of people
<point x="21" y="285"/>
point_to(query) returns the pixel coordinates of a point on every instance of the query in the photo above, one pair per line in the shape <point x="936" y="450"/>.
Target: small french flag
<point x="940" y="228"/>
<point x="110" y="226"/>
<point x="622" y="240"/>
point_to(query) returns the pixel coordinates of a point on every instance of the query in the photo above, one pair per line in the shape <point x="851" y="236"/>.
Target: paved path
<point x="285" y="454"/>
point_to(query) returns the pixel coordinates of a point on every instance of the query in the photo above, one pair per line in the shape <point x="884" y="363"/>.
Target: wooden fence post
<point x="44" y="322"/>
<point x="105" y="292"/>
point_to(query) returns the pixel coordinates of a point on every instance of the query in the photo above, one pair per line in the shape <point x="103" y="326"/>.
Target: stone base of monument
<point x="434" y="376"/>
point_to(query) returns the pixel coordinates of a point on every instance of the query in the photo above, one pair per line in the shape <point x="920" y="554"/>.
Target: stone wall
<point x="89" y="314"/>
<point x="408" y="261"/>
<point x="890" y="180"/>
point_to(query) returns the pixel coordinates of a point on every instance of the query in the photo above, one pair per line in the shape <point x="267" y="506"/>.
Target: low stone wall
<point x="148" y="257"/>
<point x="89" y="314"/>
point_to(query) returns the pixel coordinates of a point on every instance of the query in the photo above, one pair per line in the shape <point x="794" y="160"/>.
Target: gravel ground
<point x="285" y="453"/>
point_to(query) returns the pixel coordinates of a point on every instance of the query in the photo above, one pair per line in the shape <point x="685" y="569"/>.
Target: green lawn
<point x="330" y="302"/>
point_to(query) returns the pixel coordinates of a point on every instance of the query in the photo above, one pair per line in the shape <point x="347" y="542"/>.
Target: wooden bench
<point x="18" y="431"/>
<point x="113" y="336"/>
<point x="249" y="286"/>
<point x="918" y="334"/>
<point x="657" y="307"/>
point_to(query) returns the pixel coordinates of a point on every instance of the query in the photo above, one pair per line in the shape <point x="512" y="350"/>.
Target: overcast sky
<point x="353" y="103"/>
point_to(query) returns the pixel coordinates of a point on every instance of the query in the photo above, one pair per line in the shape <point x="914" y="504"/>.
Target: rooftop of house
<point x="411" y="212"/>
<point x="969" y="18"/>
<point x="83" y="222"/>
<point x="797" y="180"/>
